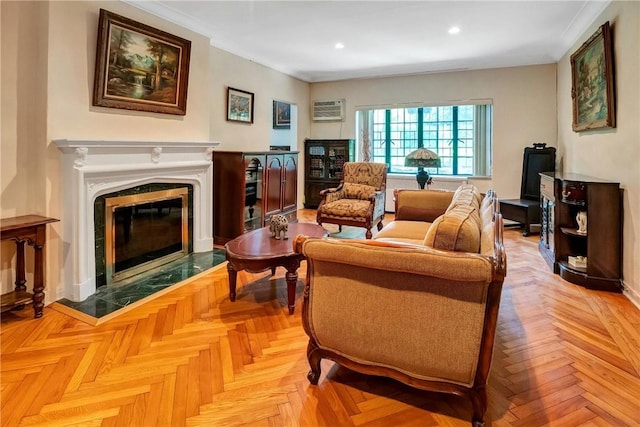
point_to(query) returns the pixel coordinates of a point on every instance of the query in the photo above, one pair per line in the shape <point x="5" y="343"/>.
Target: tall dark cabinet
<point x="250" y="187"/>
<point x="323" y="160"/>
<point x="591" y="257"/>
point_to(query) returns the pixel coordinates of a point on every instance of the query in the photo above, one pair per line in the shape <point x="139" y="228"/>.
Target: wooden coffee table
<point x="257" y="251"/>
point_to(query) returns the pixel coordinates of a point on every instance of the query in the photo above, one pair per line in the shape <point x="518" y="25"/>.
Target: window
<point x="461" y="135"/>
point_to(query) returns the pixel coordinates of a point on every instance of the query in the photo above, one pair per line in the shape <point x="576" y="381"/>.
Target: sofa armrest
<point x="329" y="195"/>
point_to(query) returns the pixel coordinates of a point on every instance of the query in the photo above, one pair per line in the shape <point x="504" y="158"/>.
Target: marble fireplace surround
<point x="91" y="168"/>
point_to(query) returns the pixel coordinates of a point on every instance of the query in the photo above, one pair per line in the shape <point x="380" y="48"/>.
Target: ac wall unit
<point x="324" y="111"/>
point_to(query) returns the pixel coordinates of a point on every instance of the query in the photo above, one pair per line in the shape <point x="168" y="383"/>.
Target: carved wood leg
<point x="20" y="274"/>
<point x="38" y="281"/>
<point x="233" y="275"/>
<point x="478" y="398"/>
<point x="292" y="281"/>
<point x="339" y="228"/>
<point x="314" y="359"/>
<point x="369" y="235"/>
<point x="380" y="226"/>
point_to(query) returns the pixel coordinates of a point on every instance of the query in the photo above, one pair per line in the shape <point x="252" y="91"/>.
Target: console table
<point x="31" y="229"/>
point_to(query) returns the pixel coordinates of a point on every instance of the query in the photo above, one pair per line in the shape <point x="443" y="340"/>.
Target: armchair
<point x="358" y="200"/>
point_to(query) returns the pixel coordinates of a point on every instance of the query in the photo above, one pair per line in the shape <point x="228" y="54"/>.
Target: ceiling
<point x="384" y="38"/>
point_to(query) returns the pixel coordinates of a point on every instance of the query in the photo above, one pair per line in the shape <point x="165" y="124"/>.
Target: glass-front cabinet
<point x="324" y="159"/>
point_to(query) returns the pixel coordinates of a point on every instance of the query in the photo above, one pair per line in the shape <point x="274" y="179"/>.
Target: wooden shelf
<point x="14" y="299"/>
<point x="572" y="232"/>
<point x="601" y="200"/>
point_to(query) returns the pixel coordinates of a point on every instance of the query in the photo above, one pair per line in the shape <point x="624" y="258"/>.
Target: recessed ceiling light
<point x="339" y="45"/>
<point x="454" y="30"/>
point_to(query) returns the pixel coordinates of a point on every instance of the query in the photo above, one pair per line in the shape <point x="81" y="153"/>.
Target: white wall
<point x="611" y="154"/>
<point x="524" y="109"/>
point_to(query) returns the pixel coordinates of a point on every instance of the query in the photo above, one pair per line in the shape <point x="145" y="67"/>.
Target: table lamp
<point x="422" y="158"/>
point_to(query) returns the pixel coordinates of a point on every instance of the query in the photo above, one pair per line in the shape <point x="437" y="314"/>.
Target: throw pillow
<point x="358" y="191"/>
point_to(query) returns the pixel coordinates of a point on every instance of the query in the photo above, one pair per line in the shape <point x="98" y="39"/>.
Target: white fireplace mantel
<point x="90" y="169"/>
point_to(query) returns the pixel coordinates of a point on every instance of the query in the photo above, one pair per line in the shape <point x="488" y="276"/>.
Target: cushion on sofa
<point x="358" y="191"/>
<point x="456" y="230"/>
<point x="404" y="231"/>
<point x="412" y="213"/>
<point x="427" y="200"/>
<point x="467" y="195"/>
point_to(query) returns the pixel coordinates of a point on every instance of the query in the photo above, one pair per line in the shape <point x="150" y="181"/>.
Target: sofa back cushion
<point x="412" y="205"/>
<point x="467" y="195"/>
<point x="457" y="230"/>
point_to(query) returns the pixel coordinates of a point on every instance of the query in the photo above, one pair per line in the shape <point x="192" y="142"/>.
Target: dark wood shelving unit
<point x="323" y="160"/>
<point x="250" y="187"/>
<point x="562" y="196"/>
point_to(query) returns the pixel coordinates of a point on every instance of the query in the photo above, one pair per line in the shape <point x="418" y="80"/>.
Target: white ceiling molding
<point x="384" y="38"/>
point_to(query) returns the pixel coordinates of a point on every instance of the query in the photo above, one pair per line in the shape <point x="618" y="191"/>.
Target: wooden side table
<point x="30" y="229"/>
<point x="257" y="251"/>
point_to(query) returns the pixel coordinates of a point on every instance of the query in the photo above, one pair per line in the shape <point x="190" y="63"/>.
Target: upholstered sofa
<point x="419" y="303"/>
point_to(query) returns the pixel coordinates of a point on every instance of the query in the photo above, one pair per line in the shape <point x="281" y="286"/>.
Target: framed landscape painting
<point x="139" y="67"/>
<point x="239" y="105"/>
<point x="281" y="115"/>
<point x="592" y="82"/>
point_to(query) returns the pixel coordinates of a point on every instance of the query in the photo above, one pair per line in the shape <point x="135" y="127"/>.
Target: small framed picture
<point x="239" y="105"/>
<point x="281" y="115"/>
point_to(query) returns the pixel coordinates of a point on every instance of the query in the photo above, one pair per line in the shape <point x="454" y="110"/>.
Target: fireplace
<point x="141" y="231"/>
<point x="93" y="170"/>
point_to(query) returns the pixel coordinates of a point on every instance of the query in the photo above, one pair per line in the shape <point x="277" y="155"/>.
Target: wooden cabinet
<point x="250" y="187"/>
<point x="323" y="166"/>
<point x="590" y="257"/>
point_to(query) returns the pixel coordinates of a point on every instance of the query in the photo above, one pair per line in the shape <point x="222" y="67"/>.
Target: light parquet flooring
<point x="564" y="356"/>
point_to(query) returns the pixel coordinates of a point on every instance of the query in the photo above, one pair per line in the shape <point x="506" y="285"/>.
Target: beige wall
<point x="48" y="55"/>
<point x="612" y="154"/>
<point x="228" y="70"/>
<point x="523" y="99"/>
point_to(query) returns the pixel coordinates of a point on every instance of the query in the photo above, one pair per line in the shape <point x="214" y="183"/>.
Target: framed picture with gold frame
<point x="139" y="67"/>
<point x="592" y="89"/>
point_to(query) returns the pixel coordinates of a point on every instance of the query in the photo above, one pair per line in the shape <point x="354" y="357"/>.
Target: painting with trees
<point x="139" y="67"/>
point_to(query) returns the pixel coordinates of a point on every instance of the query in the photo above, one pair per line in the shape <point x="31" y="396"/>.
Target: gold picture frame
<point x="592" y="89"/>
<point x="139" y="67"/>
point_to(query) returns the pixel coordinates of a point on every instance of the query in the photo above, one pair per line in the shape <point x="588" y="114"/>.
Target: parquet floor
<point x="564" y="356"/>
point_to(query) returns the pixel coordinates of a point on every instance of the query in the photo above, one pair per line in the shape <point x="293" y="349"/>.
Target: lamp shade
<point x="423" y="158"/>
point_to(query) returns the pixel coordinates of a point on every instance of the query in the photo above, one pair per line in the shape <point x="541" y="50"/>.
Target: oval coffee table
<point x="257" y="251"/>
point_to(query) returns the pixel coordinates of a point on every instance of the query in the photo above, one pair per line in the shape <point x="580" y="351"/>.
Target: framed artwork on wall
<point x="592" y="82"/>
<point x="281" y="115"/>
<point x="239" y="105"/>
<point x="139" y="67"/>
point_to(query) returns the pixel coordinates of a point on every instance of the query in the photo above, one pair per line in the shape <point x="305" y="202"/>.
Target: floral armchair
<point x="358" y="200"/>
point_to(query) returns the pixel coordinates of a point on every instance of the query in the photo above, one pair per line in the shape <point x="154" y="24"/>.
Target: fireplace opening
<point x="140" y="229"/>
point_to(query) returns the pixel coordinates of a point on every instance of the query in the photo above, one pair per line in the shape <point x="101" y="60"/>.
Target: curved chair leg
<point x="479" y="401"/>
<point x="339" y="228"/>
<point x="380" y="226"/>
<point x="369" y="235"/>
<point x="314" y="358"/>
